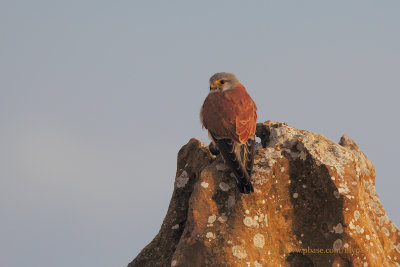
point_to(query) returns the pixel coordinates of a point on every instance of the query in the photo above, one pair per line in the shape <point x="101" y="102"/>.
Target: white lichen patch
<point x="176" y="226"/>
<point x="298" y="154"/>
<point x="247" y="212"/>
<point x="266" y="220"/>
<point x="210" y="235"/>
<point x="258" y="178"/>
<point x="250" y="222"/>
<point x="224" y="186"/>
<point x="295" y="195"/>
<point x="358" y="229"/>
<point x="239" y="252"/>
<point x="367" y="237"/>
<point x="212" y="218"/>
<point x="221" y="167"/>
<point x="398" y="247"/>
<point x="173" y="263"/>
<point x="204" y="184"/>
<point x="343" y="189"/>
<point x="386" y="218"/>
<point x="182" y="180"/>
<point x="258" y="240"/>
<point x="284" y="135"/>
<point x="382" y="220"/>
<point x="338" y="228"/>
<point x="257" y="264"/>
<point x="271" y="153"/>
<point x="375" y="207"/>
<point x="356" y="215"/>
<point x="385" y="231"/>
<point x="337" y="244"/>
<point x="222" y="219"/>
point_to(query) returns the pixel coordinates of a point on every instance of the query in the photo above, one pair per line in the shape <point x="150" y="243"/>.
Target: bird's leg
<point x="213" y="149"/>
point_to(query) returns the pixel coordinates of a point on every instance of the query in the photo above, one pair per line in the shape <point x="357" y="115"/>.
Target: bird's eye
<point x="222" y="82"/>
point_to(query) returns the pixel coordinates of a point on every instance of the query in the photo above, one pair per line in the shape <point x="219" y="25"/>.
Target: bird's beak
<point x="213" y="86"/>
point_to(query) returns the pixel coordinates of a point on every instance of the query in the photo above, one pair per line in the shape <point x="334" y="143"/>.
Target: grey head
<point x="222" y="81"/>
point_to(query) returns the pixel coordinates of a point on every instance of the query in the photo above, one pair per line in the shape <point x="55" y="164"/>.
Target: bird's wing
<point x="245" y="114"/>
<point x="230" y="114"/>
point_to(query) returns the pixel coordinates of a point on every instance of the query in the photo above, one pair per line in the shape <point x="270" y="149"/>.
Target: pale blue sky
<point x="97" y="97"/>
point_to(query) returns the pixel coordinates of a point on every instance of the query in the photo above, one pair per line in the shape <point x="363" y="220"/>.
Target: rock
<point x="314" y="205"/>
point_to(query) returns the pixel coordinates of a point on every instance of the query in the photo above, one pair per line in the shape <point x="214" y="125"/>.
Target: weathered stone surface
<point x="314" y="205"/>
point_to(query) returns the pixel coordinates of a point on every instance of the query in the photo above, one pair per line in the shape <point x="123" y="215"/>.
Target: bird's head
<point x="222" y="81"/>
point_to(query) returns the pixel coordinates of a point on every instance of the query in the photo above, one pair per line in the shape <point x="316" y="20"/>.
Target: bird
<point x="230" y="116"/>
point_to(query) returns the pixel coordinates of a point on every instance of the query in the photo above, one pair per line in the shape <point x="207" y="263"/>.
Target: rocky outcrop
<point x="314" y="205"/>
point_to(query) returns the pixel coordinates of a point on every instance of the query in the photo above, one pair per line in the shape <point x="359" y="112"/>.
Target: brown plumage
<point x="230" y="116"/>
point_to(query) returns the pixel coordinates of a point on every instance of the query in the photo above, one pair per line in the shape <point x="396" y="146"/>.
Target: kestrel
<point x="230" y="115"/>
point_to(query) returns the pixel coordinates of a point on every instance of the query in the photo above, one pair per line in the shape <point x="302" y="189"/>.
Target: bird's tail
<point x="239" y="157"/>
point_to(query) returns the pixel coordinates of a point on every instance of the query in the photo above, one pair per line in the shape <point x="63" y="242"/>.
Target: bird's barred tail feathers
<point x="239" y="157"/>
